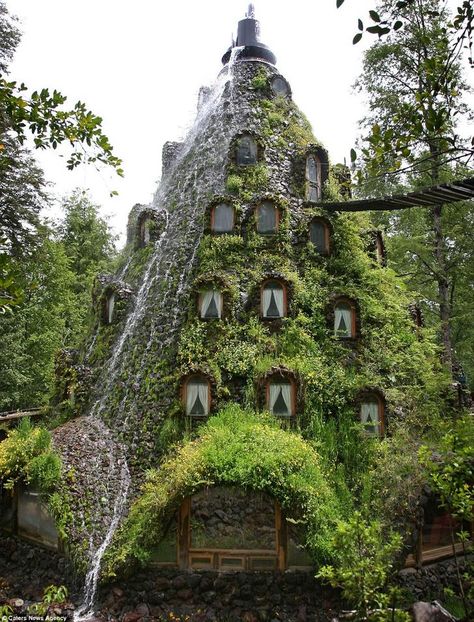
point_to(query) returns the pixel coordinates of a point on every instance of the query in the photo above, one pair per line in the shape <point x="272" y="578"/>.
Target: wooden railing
<point x="18" y="414"/>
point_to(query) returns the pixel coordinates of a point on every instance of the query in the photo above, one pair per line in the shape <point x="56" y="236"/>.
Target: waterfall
<point x="86" y="610"/>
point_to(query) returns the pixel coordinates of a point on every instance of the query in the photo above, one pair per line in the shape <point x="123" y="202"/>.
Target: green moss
<point x="260" y="80"/>
<point x="245" y="181"/>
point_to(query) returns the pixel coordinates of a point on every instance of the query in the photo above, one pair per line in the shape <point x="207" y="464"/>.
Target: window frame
<point x="184" y="395"/>
<point x="200" y="300"/>
<point x="353" y="309"/>
<point x="318" y="184"/>
<point x="282" y="380"/>
<point x="212" y="219"/>
<point x="277" y="218"/>
<point x="285" y="299"/>
<point x="370" y="397"/>
<point x="327" y="235"/>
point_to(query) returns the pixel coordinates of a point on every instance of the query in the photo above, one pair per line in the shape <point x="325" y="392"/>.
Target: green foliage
<point x="245" y="181"/>
<point x="364" y="558"/>
<point x="33" y="331"/>
<point x="90" y="247"/>
<point x="239" y="448"/>
<point x="5" y="613"/>
<point x="53" y="595"/>
<point x="260" y="80"/>
<point x="27" y="455"/>
<point x="451" y="471"/>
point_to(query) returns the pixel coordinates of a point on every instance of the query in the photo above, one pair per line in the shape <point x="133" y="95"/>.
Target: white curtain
<point x="369" y="416"/>
<point x="223" y="218"/>
<point x="110" y="308"/>
<point x="206" y="299"/>
<point x="266" y="218"/>
<point x="195" y="389"/>
<point x="343" y="321"/>
<point x="283" y="390"/>
<point x="267" y="300"/>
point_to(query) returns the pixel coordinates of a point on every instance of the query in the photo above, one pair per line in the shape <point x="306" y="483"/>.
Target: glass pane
<point x="223" y="220"/>
<point x="246" y="150"/>
<point x="343" y="320"/>
<point x="313" y="193"/>
<point x="297" y="555"/>
<point x="437" y="526"/>
<point x="34" y="520"/>
<point x="279" y="86"/>
<point x="167" y="549"/>
<point x="266" y="218"/>
<point x="318" y="236"/>
<point x="197" y="398"/>
<point x="311" y="169"/>
<point x="280" y="397"/>
<point x="211" y="304"/>
<point x="273" y="305"/>
<point x="231" y="518"/>
<point x="369" y="416"/>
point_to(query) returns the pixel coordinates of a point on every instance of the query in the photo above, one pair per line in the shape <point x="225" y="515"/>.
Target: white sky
<point x="140" y="65"/>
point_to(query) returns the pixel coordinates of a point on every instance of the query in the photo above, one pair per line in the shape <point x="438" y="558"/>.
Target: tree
<point x="365" y="558"/>
<point x="34" y="330"/>
<point x="462" y="24"/>
<point x="22" y="186"/>
<point x="42" y="114"/>
<point x="89" y="246"/>
<point x="414" y="86"/>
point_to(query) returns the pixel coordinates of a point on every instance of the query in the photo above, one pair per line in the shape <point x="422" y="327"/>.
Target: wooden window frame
<point x="370" y="397"/>
<point x="185" y="551"/>
<point x="184" y="394"/>
<point x="327" y="235"/>
<point x="277" y="219"/>
<point x="213" y="209"/>
<point x="199" y="305"/>
<point x="283" y="380"/>
<point x="285" y="299"/>
<point x="353" y="309"/>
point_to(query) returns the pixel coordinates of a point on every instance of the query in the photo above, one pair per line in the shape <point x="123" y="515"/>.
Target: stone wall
<point x="26" y="570"/>
<point x="291" y="596"/>
<point x="429" y="582"/>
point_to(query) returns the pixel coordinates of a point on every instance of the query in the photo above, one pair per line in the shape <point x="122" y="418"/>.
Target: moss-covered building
<point x="247" y="359"/>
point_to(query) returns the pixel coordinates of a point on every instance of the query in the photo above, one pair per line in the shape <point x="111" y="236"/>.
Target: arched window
<point x="268" y="217"/>
<point x="371" y="414"/>
<point x="344" y="319"/>
<point x="313" y="178"/>
<point x="319" y="235"/>
<point x="210" y="304"/>
<point x="281" y="397"/>
<point x="109" y="308"/>
<point x="222" y="218"/>
<point x="246" y="150"/>
<point x="197" y="396"/>
<point x="273" y="300"/>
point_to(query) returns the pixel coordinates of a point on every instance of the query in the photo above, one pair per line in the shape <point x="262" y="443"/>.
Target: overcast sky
<point x="140" y="65"/>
